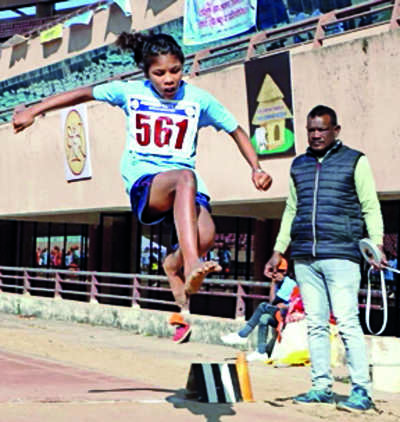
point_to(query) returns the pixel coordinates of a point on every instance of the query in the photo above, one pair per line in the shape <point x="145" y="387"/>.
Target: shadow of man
<point x="212" y="412"/>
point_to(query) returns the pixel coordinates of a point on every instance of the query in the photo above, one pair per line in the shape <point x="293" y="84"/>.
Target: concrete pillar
<point x="107" y="244"/>
<point x="264" y="239"/>
<point x="134" y="250"/>
<point x="8" y="242"/>
<point x="93" y="263"/>
<point x="44" y="9"/>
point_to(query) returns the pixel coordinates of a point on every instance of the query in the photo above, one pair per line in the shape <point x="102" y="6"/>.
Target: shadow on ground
<point x="212" y="412"/>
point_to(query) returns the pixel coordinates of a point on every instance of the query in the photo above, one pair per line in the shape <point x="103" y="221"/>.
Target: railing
<point x="316" y="30"/>
<point x="131" y="289"/>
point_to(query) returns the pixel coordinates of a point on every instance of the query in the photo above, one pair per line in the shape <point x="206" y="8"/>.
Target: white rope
<point x="370" y="251"/>
<point x="384" y="303"/>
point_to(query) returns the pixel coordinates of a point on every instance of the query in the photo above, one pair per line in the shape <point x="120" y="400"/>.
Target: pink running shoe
<point x="182" y="333"/>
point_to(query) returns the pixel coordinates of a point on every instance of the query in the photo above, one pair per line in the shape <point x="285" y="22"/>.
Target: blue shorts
<point x="140" y="195"/>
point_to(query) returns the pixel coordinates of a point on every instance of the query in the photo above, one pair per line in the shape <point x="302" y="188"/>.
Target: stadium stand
<point x="108" y="62"/>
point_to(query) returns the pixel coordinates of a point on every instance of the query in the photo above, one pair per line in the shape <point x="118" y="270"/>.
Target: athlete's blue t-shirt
<point x="162" y="134"/>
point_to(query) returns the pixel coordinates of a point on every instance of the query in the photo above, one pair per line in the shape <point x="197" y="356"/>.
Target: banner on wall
<point x="15" y="40"/>
<point x="211" y="20"/>
<point x="270" y="105"/>
<point x="74" y="126"/>
<point x="52" y="33"/>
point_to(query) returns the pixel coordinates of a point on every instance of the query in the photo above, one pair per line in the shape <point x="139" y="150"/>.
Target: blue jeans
<point x="263" y="316"/>
<point x="333" y="284"/>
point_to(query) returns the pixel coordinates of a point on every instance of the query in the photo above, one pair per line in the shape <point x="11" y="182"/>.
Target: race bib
<point x="165" y="128"/>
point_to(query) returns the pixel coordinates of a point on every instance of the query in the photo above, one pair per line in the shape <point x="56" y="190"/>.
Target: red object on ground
<point x="182" y="333"/>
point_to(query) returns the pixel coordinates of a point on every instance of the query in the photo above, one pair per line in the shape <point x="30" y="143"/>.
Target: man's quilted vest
<point x="328" y="222"/>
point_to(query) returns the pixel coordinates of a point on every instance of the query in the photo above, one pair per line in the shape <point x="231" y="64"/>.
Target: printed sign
<point x="76" y="143"/>
<point x="269" y="94"/>
<point x="210" y="20"/>
<point x="52" y="33"/>
<point x="163" y="127"/>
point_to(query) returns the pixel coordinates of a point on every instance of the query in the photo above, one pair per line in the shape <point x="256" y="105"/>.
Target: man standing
<point x="332" y="194"/>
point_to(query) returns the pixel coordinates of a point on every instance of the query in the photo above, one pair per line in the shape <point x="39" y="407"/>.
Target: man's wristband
<point x="258" y="170"/>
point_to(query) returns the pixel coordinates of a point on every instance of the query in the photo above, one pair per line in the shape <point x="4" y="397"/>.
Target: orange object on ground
<point x="244" y="377"/>
<point x="177" y="319"/>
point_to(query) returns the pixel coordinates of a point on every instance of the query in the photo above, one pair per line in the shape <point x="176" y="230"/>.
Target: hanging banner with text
<point x="74" y="126"/>
<point x="210" y="20"/>
<point x="270" y="105"/>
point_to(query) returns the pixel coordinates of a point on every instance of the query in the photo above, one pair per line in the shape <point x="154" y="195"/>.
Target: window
<point x="61" y="246"/>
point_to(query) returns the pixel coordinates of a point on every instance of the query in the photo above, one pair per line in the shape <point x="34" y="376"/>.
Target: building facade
<point x="87" y="223"/>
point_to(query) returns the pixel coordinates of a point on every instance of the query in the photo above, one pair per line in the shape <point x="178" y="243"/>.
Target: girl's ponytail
<point x="146" y="47"/>
<point x="132" y="42"/>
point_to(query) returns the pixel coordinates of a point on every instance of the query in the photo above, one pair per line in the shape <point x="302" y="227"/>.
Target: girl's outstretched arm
<point x="261" y="179"/>
<point x="25" y="117"/>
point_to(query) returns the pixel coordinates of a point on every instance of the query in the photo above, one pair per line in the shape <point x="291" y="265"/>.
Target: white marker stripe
<point x="151" y="401"/>
<point x="210" y="383"/>
<point x="227" y="383"/>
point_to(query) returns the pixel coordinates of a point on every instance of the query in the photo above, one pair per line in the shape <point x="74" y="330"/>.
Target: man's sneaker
<point x="182" y="333"/>
<point x="257" y="356"/>
<point x="233" y="338"/>
<point x="358" y="401"/>
<point x="315" y="397"/>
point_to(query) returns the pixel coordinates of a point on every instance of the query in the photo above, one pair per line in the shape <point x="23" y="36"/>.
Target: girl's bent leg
<point x="176" y="190"/>
<point x="172" y="265"/>
<point x="174" y="262"/>
<point x="172" y="190"/>
<point x="196" y="231"/>
<point x="194" y="276"/>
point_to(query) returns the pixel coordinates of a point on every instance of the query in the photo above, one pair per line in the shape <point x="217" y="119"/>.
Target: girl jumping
<point x="164" y="114"/>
